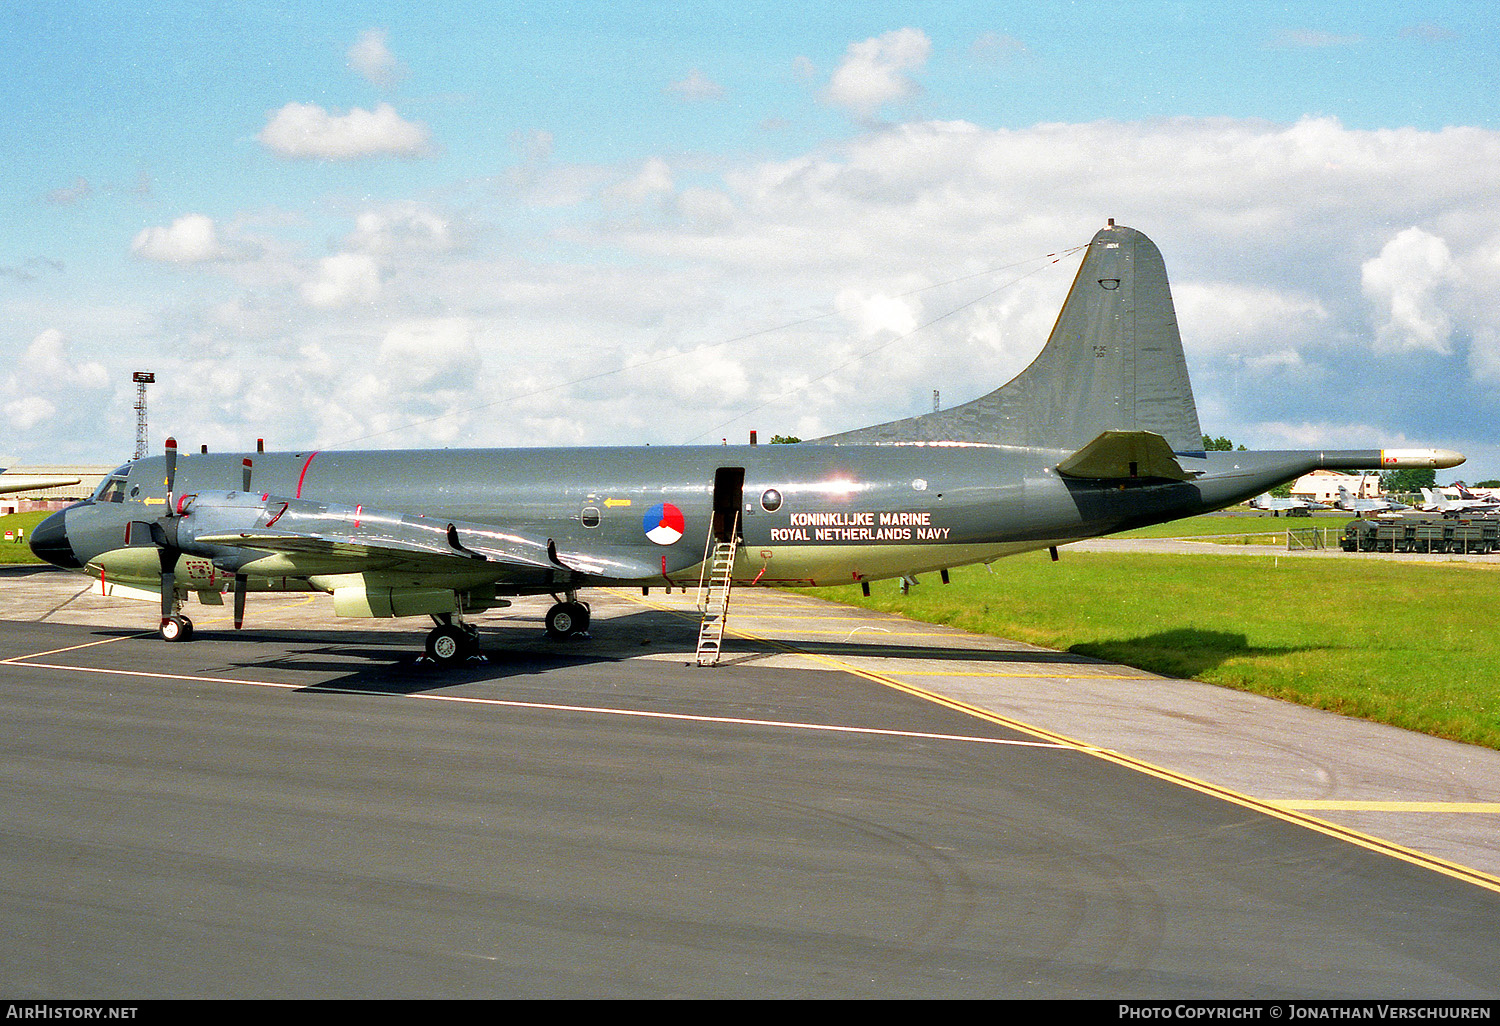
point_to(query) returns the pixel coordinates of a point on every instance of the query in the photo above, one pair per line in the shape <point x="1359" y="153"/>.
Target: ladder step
<point x="714" y="598"/>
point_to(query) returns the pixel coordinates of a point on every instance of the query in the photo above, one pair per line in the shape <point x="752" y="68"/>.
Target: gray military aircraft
<point x="1099" y="434"/>
<point x="1292" y="507"/>
<point x="1359" y="505"/>
<point x="1467" y="502"/>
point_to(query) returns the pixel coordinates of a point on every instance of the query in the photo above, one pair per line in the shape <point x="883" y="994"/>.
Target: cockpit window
<point x="112" y="488"/>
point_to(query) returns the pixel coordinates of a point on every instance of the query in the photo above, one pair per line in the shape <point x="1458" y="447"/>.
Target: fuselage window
<point x="112" y="489"/>
<point x="590" y="516"/>
<point x="770" y="500"/>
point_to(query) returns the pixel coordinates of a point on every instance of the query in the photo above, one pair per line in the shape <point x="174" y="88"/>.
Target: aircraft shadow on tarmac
<point x="389" y="662"/>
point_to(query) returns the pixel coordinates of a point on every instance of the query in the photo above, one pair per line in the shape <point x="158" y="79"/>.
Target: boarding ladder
<point x="714" y="584"/>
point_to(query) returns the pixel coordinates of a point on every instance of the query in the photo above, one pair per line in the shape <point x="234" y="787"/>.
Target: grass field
<point x="1411" y="644"/>
<point x="19" y="552"/>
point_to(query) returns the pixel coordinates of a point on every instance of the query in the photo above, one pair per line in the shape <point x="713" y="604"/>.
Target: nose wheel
<point x="176" y="628"/>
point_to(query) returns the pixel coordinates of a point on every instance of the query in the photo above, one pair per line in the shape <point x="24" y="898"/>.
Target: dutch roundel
<point x="664" y="523"/>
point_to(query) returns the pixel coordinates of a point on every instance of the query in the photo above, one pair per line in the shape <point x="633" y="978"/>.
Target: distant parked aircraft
<point x="1293" y="507"/>
<point x="1467" y="502"/>
<point x="1359" y="506"/>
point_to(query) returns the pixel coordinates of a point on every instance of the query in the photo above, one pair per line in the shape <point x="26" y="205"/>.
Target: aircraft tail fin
<point x="1113" y="362"/>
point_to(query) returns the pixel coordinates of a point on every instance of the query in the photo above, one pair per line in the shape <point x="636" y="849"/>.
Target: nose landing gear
<point x="176" y="628"/>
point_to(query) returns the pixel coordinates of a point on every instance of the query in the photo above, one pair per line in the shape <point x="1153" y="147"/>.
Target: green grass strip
<point x="1415" y="645"/>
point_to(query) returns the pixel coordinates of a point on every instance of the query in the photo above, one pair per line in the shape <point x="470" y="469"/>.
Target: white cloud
<point x="696" y="87"/>
<point x="54" y="395"/>
<point x="47" y="362"/>
<point x="1406" y="284"/>
<point x="25" y="414"/>
<point x="1302" y="299"/>
<point x="876" y="315"/>
<point x="343" y="280"/>
<point x="372" y="59"/>
<point x="1248" y="322"/>
<point x="192" y="238"/>
<point x="877" y="71"/>
<point x="430" y="356"/>
<point x="653" y="179"/>
<point x="402" y="227"/>
<point x="305" y="130"/>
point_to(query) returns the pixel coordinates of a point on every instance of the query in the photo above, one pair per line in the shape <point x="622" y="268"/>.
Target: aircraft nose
<point x="49" y="540"/>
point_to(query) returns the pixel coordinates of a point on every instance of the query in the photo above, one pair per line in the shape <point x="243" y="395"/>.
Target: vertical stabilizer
<point x="1112" y="363"/>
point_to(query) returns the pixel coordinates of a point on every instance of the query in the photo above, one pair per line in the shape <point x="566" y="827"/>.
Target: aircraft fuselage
<point x="808" y="514"/>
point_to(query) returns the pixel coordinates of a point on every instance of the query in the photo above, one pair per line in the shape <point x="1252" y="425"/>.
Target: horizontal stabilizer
<point x="1126" y="454"/>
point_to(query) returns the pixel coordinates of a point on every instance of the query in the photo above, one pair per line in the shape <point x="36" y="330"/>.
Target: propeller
<point x="164" y="534"/>
<point x="246" y="465"/>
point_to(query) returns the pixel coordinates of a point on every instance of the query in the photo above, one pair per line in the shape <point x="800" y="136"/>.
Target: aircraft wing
<point x="317" y="538"/>
<point x="28" y="482"/>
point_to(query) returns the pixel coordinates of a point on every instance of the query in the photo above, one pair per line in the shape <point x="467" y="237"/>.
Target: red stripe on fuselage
<point x="303" y="476"/>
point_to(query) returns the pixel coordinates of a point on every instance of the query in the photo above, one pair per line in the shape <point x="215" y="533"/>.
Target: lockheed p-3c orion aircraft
<point x="1099" y="434"/>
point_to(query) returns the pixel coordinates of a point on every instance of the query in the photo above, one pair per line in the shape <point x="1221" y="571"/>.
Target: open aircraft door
<point x="729" y="498"/>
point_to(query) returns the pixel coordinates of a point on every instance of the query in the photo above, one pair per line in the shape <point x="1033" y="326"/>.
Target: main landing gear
<point x="568" y="619"/>
<point x="451" y="643"/>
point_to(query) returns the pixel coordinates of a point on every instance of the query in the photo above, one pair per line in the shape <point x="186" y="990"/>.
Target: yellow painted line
<point x="884" y="633"/>
<point x="1028" y="675"/>
<point x="1288" y="815"/>
<point x="813" y="616"/>
<point x="1334" y="805"/>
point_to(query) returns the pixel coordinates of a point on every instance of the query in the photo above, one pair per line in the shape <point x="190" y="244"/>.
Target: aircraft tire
<point x="567" y="619"/>
<point x="176" y="628"/>
<point x="448" y="645"/>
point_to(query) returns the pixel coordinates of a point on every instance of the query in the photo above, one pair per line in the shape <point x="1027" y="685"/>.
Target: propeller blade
<point x="239" y="598"/>
<point x="245" y="474"/>
<point x="171" y="471"/>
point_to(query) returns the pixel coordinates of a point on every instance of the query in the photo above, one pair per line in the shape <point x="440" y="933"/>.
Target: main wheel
<point x="447" y="644"/>
<point x="566" y="619"/>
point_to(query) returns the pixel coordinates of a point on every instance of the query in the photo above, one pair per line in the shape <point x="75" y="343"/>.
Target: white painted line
<point x="559" y="707"/>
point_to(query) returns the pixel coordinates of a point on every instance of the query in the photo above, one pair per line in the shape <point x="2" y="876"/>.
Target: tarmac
<point x="851" y="804"/>
<point x="1438" y="798"/>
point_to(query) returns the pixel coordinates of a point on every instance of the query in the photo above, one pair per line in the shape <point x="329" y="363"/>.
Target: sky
<point x="392" y="226"/>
